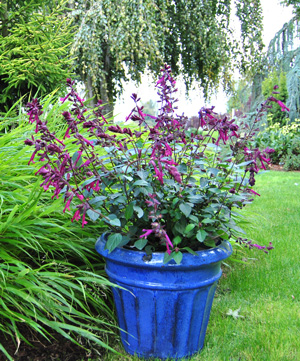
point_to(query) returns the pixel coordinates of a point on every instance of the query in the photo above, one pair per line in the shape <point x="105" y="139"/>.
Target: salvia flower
<point x="159" y="185"/>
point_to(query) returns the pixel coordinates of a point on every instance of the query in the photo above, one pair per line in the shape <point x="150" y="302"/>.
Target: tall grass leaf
<point x="6" y="353"/>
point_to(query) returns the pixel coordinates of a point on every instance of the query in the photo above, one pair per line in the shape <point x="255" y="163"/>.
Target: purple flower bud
<point x="28" y="142"/>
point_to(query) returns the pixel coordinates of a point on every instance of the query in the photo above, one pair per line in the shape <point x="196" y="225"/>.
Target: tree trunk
<point x="89" y="91"/>
<point x="4" y="18"/>
<point x="105" y="83"/>
<point x="106" y="95"/>
<point x="108" y="104"/>
<point x="90" y="94"/>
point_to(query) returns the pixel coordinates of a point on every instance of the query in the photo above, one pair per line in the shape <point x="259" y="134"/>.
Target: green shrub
<point x="292" y="159"/>
<point x="279" y="138"/>
<point x="276" y="79"/>
<point x="34" y="49"/>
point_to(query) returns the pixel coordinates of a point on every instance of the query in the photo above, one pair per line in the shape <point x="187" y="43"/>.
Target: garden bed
<point x="58" y="349"/>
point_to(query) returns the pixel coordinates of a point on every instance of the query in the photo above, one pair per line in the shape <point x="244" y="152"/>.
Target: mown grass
<point x="266" y="288"/>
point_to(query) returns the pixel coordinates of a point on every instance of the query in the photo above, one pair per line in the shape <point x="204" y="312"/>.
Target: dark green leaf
<point x="204" y="182"/>
<point x="88" y="181"/>
<point x="210" y="243"/>
<point x="97" y="199"/>
<point x="113" y="241"/>
<point x="139" y="144"/>
<point x="208" y="221"/>
<point x="142" y="174"/>
<point x="140" y="182"/>
<point x="245" y="163"/>
<point x="194" y="218"/>
<point x="182" y="168"/>
<point x="114" y="195"/>
<point x="167" y="257"/>
<point x="175" y="200"/>
<point x="142" y="190"/>
<point x="214" y="171"/>
<point x="74" y="157"/>
<point x="185" y="209"/>
<point x="129" y="211"/>
<point x="190" y="251"/>
<point x="125" y="240"/>
<point x="114" y="221"/>
<point x="180" y="225"/>
<point x="195" y="198"/>
<point x="141" y="243"/>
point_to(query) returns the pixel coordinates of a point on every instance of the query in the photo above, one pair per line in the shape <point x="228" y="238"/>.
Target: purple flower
<point x="252" y="191"/>
<point x="147" y="233"/>
<point x="84" y="222"/>
<point x="175" y="174"/>
<point x="168" y="243"/>
<point x="158" y="172"/>
<point x="67" y="206"/>
<point x="76" y="216"/>
<point x="282" y="106"/>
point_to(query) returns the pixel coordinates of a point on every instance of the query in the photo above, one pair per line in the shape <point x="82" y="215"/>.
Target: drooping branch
<point x="194" y="37"/>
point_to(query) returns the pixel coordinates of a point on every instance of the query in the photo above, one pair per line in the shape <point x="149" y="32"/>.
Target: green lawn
<point x="266" y="289"/>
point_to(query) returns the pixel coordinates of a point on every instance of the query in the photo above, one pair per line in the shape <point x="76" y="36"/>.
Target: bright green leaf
<point x="201" y="235"/>
<point x="189" y="227"/>
<point x="177" y="240"/>
<point x="177" y="256"/>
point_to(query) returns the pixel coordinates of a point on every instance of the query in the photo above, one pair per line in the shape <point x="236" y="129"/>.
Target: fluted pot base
<point x="163" y="310"/>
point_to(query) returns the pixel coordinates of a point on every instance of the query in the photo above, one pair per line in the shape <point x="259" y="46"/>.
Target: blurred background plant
<point x="276" y="80"/>
<point x="35" y="41"/>
<point x="285" y="141"/>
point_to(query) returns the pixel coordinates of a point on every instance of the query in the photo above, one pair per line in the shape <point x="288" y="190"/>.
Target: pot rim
<point x="135" y="257"/>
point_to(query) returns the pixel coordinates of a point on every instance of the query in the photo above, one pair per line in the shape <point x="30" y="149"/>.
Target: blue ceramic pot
<point x="165" y="308"/>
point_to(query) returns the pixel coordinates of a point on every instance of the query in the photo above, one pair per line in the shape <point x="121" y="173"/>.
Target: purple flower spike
<point x="175" y="179"/>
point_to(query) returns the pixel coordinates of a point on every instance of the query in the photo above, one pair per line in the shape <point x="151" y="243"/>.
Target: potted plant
<point x="167" y="195"/>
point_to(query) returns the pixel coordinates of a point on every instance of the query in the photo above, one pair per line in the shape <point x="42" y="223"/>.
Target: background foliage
<point x="35" y="44"/>
<point x="118" y="40"/>
<point x="276" y="80"/>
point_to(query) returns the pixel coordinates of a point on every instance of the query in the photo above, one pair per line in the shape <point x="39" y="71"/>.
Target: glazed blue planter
<point x="163" y="310"/>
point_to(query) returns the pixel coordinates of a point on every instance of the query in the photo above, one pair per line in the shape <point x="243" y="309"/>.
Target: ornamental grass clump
<point x="156" y="188"/>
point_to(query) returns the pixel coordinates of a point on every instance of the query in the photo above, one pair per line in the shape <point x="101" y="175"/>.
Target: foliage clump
<point x="34" y="49"/>
<point x="284" y="140"/>
<point x="292" y="159"/>
<point x="278" y="81"/>
<point x="155" y="187"/>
